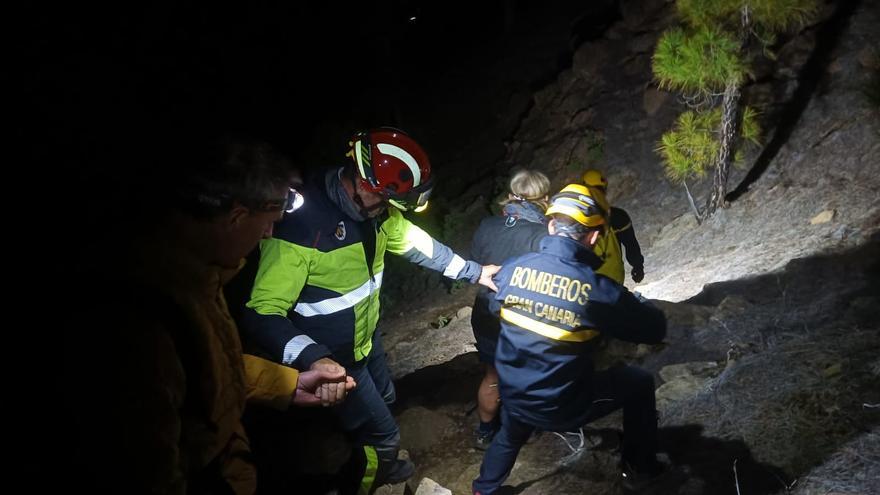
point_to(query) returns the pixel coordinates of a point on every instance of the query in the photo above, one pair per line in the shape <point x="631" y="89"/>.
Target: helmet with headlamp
<point x="390" y="163"/>
<point x="576" y="202"/>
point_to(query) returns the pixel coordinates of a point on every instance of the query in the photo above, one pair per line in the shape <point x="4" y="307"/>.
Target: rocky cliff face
<point x="770" y="362"/>
<point x="818" y="191"/>
<point x="809" y="188"/>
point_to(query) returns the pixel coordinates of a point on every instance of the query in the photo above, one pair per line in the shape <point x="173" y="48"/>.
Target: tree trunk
<point x="730" y="122"/>
<point x="730" y="117"/>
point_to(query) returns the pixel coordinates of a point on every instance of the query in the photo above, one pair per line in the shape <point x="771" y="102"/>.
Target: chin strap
<point x="364" y="211"/>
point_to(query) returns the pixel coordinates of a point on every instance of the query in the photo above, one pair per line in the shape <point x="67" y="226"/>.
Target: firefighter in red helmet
<point x="315" y="301"/>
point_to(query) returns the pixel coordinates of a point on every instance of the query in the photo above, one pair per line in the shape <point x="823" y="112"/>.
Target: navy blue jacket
<point x="552" y="307"/>
<point x="496" y="240"/>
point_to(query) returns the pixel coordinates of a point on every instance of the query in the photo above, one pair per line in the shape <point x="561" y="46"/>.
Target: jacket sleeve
<point x="623" y="228"/>
<point x="627" y="318"/>
<point x="269" y="383"/>
<point x="414" y="244"/>
<point x="281" y="276"/>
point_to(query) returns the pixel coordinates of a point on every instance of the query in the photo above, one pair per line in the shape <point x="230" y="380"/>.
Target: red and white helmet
<point x="392" y="164"/>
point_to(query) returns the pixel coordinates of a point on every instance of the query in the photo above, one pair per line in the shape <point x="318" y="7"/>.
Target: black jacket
<point x="623" y="229"/>
<point x="496" y="240"/>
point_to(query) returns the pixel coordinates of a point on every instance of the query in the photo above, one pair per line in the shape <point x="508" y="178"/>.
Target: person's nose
<point x="267" y="232"/>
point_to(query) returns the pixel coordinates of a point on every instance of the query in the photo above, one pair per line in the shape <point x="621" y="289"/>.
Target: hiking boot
<point x="636" y="480"/>
<point x="400" y="471"/>
<point x="483" y="439"/>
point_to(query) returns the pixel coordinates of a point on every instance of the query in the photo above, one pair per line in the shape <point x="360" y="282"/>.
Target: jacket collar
<point x="166" y="265"/>
<point x="570" y="249"/>
<point x="525" y="210"/>
<point x="336" y="192"/>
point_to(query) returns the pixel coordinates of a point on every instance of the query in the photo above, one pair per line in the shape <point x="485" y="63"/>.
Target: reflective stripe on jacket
<point x="317" y="288"/>
<point x="552" y="307"/>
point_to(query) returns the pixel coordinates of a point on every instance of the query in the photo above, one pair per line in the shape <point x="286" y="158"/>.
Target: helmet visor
<point x="413" y="199"/>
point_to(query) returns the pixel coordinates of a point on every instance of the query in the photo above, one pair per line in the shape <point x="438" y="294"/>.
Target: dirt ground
<point x="782" y="373"/>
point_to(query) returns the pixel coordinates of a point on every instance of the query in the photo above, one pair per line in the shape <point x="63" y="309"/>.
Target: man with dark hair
<point x="315" y="300"/>
<point x="159" y="378"/>
<point x="552" y="306"/>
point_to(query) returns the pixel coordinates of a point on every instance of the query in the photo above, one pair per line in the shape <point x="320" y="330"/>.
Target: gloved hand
<point x="638" y="273"/>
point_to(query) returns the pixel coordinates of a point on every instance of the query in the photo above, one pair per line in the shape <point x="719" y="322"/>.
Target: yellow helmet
<point x="576" y="202"/>
<point x="594" y="178"/>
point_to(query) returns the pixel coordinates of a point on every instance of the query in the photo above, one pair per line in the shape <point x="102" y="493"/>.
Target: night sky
<point x="105" y="85"/>
<point x="101" y="73"/>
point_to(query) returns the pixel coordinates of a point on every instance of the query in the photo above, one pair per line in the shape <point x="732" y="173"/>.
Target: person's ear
<point x="237" y="215"/>
<point x="551" y="226"/>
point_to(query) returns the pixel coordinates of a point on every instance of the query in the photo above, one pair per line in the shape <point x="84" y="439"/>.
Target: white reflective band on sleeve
<point x="421" y="241"/>
<point x="345" y="301"/>
<point x="295" y="346"/>
<point x="404" y="156"/>
<point x="454" y="267"/>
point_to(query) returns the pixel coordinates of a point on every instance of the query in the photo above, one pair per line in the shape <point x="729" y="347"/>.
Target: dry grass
<point x="800" y="405"/>
<point x="854" y="468"/>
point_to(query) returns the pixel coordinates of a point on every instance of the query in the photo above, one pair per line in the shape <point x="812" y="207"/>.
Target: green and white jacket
<point x="316" y="292"/>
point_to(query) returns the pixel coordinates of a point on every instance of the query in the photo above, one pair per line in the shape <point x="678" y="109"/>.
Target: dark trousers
<point x="624" y="387"/>
<point x="368" y="421"/>
<point x="304" y="450"/>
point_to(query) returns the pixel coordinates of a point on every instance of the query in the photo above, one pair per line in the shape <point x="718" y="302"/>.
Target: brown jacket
<point x="170" y="420"/>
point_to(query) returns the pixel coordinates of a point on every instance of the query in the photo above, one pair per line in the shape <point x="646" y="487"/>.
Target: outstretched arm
<point x="414" y="244"/>
<point x="623" y="228"/>
<point x="628" y="318"/>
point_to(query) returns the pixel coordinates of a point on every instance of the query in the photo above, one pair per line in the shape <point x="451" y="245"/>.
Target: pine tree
<point x="705" y="59"/>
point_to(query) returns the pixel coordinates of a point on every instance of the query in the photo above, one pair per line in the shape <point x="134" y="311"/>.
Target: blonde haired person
<point x="548" y="380"/>
<point x="518" y="230"/>
<point x="528" y="186"/>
